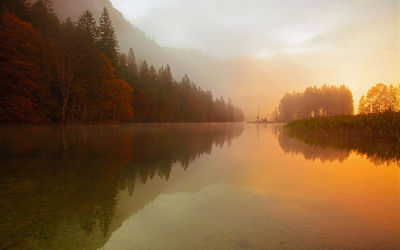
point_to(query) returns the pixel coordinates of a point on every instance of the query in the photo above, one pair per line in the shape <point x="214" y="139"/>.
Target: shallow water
<point x="193" y="186"/>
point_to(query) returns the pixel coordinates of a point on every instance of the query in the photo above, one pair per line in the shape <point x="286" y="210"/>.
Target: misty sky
<point x="352" y="42"/>
<point x="262" y="28"/>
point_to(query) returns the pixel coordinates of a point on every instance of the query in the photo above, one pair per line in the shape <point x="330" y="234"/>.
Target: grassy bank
<point x="383" y="126"/>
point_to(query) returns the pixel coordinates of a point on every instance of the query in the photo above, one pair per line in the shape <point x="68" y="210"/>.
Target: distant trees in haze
<point x="60" y="72"/>
<point x="380" y="98"/>
<point x="158" y="97"/>
<point x="333" y="101"/>
<point x="316" y="102"/>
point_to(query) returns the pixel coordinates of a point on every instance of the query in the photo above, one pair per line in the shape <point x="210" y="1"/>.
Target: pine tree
<point x="87" y="28"/>
<point x="144" y="72"/>
<point x="108" y="41"/>
<point x="132" y="67"/>
<point x="43" y="18"/>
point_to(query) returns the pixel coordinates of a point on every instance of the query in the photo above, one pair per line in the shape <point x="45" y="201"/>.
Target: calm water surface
<point x="194" y="186"/>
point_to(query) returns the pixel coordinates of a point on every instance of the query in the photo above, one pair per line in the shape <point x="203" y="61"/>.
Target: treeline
<point x="315" y="102"/>
<point x="72" y="72"/>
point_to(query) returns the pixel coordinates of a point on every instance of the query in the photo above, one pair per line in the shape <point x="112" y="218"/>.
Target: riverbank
<point x="383" y="126"/>
<point x="375" y="135"/>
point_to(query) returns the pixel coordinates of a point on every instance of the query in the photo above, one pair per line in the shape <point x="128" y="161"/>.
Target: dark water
<point x="194" y="186"/>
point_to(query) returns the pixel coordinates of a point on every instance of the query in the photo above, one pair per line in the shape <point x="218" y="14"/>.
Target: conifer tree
<point x="108" y="41"/>
<point x="132" y="67"/>
<point x="87" y="28"/>
<point x="43" y="18"/>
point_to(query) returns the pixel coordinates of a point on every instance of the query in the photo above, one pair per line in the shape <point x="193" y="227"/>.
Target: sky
<point x="352" y="42"/>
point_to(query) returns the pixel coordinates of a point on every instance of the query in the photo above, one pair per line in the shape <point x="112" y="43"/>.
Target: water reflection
<point x="310" y="152"/>
<point x="59" y="186"/>
<point x="324" y="146"/>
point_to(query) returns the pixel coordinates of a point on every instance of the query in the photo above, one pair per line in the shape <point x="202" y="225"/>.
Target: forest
<point x="52" y="71"/>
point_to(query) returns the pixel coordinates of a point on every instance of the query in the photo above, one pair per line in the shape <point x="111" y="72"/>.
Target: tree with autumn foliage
<point x="20" y="74"/>
<point x="380" y="98"/>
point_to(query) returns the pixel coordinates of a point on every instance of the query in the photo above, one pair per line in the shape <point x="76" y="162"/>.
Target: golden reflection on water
<point x="262" y="197"/>
<point x="356" y="187"/>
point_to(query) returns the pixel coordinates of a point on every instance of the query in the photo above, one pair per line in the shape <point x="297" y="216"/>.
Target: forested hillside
<point x="54" y="71"/>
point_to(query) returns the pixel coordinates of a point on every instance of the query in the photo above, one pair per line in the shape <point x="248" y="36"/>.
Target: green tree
<point x="132" y="67"/>
<point x="87" y="29"/>
<point x="108" y="41"/>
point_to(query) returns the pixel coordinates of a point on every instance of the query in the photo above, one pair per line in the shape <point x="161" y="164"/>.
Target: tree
<point x="108" y="41"/>
<point x="91" y="62"/>
<point x="67" y="65"/>
<point x="122" y="99"/>
<point x="20" y="8"/>
<point x="380" y="98"/>
<point x="87" y="29"/>
<point x="43" y="18"/>
<point x="132" y="67"/>
<point x="20" y="74"/>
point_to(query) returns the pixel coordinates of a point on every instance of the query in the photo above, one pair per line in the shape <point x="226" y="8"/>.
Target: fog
<point x="255" y="51"/>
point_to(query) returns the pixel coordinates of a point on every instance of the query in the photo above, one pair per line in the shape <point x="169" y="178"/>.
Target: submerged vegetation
<point x="73" y="72"/>
<point x="374" y="135"/>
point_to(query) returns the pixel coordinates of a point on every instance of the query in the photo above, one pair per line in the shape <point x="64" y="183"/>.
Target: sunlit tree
<point x="380" y="98"/>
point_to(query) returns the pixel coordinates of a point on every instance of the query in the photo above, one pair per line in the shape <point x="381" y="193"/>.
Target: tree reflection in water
<point x="310" y="152"/>
<point x="59" y="185"/>
<point x="322" y="145"/>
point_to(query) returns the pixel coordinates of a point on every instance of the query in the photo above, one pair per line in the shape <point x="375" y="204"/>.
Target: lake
<point x="191" y="186"/>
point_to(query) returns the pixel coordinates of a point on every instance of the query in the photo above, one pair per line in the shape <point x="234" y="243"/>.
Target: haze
<point x="265" y="48"/>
